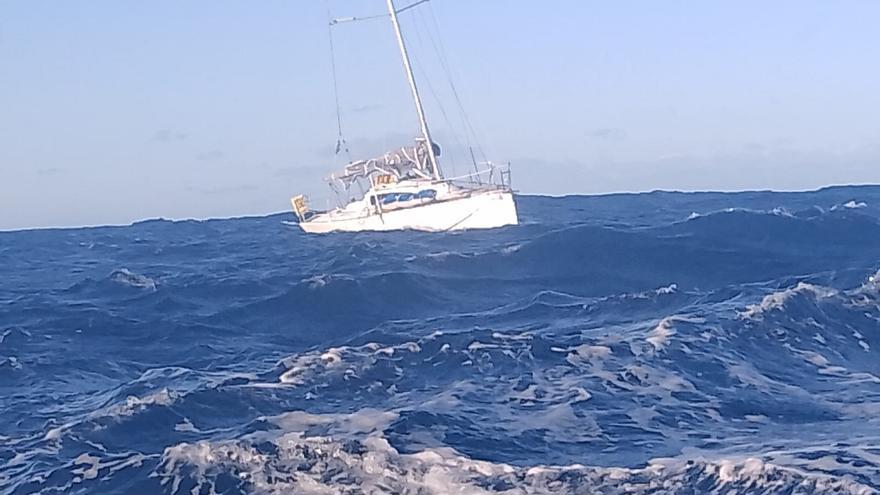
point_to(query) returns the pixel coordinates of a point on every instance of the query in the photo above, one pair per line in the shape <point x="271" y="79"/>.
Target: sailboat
<point x="406" y="189"/>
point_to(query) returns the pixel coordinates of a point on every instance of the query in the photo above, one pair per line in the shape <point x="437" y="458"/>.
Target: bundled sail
<point x="406" y="163"/>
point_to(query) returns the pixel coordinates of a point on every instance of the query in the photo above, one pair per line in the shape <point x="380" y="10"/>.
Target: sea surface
<point x="648" y="343"/>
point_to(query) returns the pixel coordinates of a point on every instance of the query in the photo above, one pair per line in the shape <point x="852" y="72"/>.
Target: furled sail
<point x="407" y="162"/>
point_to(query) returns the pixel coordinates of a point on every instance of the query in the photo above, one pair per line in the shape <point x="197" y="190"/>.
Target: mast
<point x="415" y="91"/>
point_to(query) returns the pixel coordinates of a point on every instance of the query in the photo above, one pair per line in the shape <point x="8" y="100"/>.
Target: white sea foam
<point x="531" y="399"/>
<point x="851" y="205"/>
<point x="127" y="277"/>
<point x="873" y="283"/>
<point x="90" y="472"/>
<point x="778" y="211"/>
<point x="868" y="294"/>
<point x="442" y="255"/>
<point x="781" y="211"/>
<point x="323" y="279"/>
<point x="89" y="466"/>
<point x="361" y="421"/>
<point x="54" y="434"/>
<point x="659" y="336"/>
<point x="186" y="425"/>
<point x="669" y="289"/>
<point x="301" y="368"/>
<point x="777" y="300"/>
<point x="511" y="249"/>
<point x="649" y="294"/>
<point x="586" y="353"/>
<point x="367" y="463"/>
<point x="13" y="361"/>
<point x="134" y="404"/>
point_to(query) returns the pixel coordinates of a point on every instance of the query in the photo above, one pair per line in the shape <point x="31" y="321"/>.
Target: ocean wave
<point x="290" y="460"/>
<point x="126" y="277"/>
<point x="134" y="404"/>
<point x="603" y="346"/>
<point x="778" y="300"/>
<point x="659" y="336"/>
<point x="851" y="204"/>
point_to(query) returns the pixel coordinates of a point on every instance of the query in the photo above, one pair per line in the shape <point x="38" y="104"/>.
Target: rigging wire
<point x="340" y="20"/>
<point x="341" y="144"/>
<point x="414" y="4"/>
<point x="470" y="136"/>
<point x="441" y="55"/>
<point x="420" y="19"/>
<point x="434" y="93"/>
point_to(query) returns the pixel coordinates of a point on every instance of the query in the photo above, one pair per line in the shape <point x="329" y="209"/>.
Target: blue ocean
<point x="661" y="342"/>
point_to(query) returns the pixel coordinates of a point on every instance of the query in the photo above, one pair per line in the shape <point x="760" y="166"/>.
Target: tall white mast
<point x="415" y="91"/>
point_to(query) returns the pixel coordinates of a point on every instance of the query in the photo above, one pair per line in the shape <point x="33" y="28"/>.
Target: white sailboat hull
<point x="479" y="210"/>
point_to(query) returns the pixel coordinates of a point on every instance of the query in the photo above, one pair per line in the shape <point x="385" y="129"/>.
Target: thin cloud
<point x="169" y="135"/>
<point x="210" y="156"/>
<point x="362" y="148"/>
<point x="225" y="189"/>
<point x="309" y="170"/>
<point x="366" y="108"/>
<point x="608" y="133"/>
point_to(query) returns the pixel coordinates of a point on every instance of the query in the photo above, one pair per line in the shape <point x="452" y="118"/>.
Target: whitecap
<point x="669" y="289"/>
<point x="13" y="361"/>
<point x="511" y="249"/>
<point x="127" y="277"/>
<point x="301" y="368"/>
<point x="323" y="279"/>
<point x="186" y="425"/>
<point x="852" y="204"/>
<point x="442" y="255"/>
<point x="134" y="404"/>
<point x="84" y="473"/>
<point x="585" y="353"/>
<point x="659" y="336"/>
<point x="365" y="462"/>
<point x="777" y="300"/>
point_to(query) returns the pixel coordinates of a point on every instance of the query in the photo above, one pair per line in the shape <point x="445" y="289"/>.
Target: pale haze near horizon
<point x="114" y="111"/>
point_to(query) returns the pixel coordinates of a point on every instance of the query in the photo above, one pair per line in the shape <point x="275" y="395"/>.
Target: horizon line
<point x="557" y="196"/>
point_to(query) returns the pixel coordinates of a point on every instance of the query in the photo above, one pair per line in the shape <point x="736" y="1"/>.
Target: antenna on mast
<point x="415" y="90"/>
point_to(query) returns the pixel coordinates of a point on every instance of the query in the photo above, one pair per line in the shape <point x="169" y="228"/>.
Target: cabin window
<point x="389" y="198"/>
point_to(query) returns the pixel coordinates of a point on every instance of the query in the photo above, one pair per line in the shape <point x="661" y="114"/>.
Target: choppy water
<point x="652" y="343"/>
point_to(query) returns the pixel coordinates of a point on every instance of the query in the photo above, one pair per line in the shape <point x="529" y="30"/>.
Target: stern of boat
<point x="300" y="205"/>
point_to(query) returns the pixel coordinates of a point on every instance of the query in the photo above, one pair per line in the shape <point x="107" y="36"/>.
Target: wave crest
<point x="292" y="461"/>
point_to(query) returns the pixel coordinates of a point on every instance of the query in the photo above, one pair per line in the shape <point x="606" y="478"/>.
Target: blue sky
<point x="113" y="111"/>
